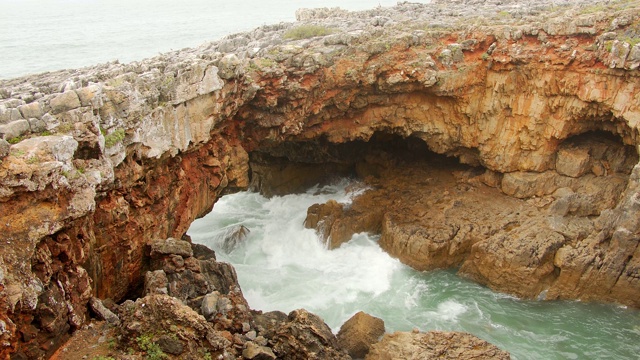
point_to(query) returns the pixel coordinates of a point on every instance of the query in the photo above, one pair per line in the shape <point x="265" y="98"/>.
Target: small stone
<point x="251" y="335"/>
<point x="170" y="345"/>
<point x="254" y="351"/>
<point x="4" y="148"/>
<point x="209" y="304"/>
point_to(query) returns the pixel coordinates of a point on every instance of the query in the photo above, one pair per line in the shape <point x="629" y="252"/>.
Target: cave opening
<point x="293" y="167"/>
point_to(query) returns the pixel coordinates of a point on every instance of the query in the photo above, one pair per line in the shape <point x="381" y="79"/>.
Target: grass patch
<point x="15" y="140"/>
<point x="152" y="349"/>
<point x="33" y="160"/>
<point x="307" y="32"/>
<point x="114" y="138"/>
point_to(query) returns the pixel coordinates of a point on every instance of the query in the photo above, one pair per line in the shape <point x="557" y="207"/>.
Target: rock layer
<point x="100" y="162"/>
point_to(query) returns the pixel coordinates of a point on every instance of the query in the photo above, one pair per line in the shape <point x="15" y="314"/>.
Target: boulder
<point x="305" y="336"/>
<point x="102" y="312"/>
<point x="14" y="129"/>
<point x="64" y="102"/>
<point x="573" y="162"/>
<point x="254" y="351"/>
<point x="434" y="345"/>
<point x="171" y="246"/>
<point x="358" y="334"/>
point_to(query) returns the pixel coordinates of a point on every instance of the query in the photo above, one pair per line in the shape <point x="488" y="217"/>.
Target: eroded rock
<point x="434" y="345"/>
<point x="359" y="333"/>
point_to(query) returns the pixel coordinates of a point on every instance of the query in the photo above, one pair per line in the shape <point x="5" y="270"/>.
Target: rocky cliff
<point x="540" y="98"/>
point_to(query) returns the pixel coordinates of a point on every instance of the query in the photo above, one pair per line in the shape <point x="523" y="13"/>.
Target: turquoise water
<point x="45" y="35"/>
<point x="283" y="266"/>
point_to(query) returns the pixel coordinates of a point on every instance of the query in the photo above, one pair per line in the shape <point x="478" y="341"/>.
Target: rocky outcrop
<point x="103" y="161"/>
<point x="434" y="345"/>
<point x="358" y="333"/>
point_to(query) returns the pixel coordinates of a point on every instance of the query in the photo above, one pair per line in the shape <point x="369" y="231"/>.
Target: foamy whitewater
<point x="283" y="266"/>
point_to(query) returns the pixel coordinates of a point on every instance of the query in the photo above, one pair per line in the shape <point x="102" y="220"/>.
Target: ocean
<point x="45" y="35"/>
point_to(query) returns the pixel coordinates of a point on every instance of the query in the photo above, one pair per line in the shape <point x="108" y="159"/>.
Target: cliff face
<point x="104" y="160"/>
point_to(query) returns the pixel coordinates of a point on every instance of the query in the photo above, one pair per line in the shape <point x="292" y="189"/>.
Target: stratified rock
<point x="434" y="345"/>
<point x="305" y="336"/>
<point x="358" y="333"/>
<point x="171" y="246"/>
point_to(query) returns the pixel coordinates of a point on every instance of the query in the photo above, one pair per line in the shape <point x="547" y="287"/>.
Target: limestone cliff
<point x="99" y="162"/>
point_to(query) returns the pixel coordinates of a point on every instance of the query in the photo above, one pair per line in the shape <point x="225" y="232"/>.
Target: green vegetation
<point x="307" y="31"/>
<point x="15" y="140"/>
<point x="64" y="128"/>
<point x="33" y="160"/>
<point x="114" y="138"/>
<point x="608" y="45"/>
<point x="485" y="57"/>
<point x="46" y="133"/>
<point x="152" y="349"/>
<point x="17" y="153"/>
<point x="504" y="14"/>
<point x="103" y="358"/>
<point x="631" y="41"/>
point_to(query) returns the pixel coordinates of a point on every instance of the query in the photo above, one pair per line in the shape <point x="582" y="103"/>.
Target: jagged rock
<point x="358" y="333"/>
<point x="254" y="351"/>
<point x="4" y="148"/>
<point x="175" y="327"/>
<point x="434" y="345"/>
<point x="102" y="312"/>
<point x="573" y="162"/>
<point x="171" y="246"/>
<point x="305" y="336"/>
<point x="233" y="237"/>
<point x="209" y="306"/>
<point x="156" y="282"/>
<point x="202" y="252"/>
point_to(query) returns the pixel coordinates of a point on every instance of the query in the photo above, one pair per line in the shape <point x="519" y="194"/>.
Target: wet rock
<point x="358" y="333"/>
<point x="434" y="345"/>
<point x="233" y="237"/>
